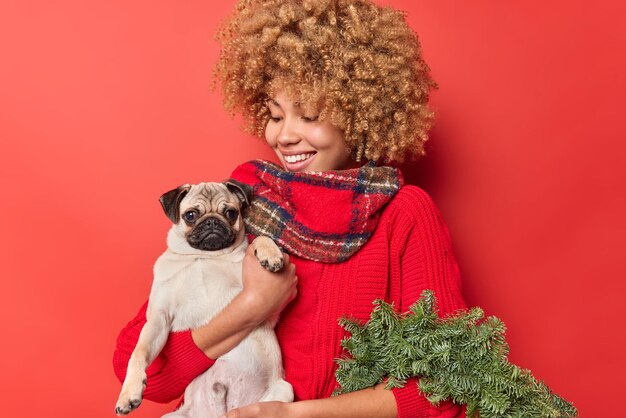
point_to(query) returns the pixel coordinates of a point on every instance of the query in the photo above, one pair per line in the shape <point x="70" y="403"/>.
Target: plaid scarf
<point x="319" y="216"/>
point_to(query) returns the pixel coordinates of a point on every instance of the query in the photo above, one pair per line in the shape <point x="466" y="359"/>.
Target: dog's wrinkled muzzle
<point x="211" y="235"/>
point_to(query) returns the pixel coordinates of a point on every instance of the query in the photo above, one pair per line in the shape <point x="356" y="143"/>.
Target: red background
<point x="106" y="105"/>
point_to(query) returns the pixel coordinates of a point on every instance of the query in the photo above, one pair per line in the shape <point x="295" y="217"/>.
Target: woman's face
<point x="302" y="142"/>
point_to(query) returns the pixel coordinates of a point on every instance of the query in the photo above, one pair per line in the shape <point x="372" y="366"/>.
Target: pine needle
<point x="462" y="357"/>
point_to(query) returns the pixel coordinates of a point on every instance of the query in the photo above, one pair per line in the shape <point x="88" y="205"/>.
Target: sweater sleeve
<point x="426" y="263"/>
<point x="175" y="367"/>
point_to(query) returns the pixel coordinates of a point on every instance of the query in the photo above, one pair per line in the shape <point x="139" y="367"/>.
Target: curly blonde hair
<point x="360" y="62"/>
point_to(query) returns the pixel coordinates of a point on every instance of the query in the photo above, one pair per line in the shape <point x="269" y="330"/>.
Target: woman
<point x="338" y="89"/>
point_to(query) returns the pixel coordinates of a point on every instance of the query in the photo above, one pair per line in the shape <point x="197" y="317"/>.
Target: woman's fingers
<point x="259" y="410"/>
<point x="268" y="293"/>
<point x="249" y="411"/>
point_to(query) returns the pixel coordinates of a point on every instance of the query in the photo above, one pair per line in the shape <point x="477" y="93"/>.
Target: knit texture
<point x="321" y="216"/>
<point x="409" y="251"/>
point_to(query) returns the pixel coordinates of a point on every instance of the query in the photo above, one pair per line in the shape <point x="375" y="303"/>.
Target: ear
<point x="170" y="201"/>
<point x="241" y="190"/>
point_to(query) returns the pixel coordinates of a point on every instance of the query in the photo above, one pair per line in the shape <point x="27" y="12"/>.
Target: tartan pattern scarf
<point x="319" y="216"/>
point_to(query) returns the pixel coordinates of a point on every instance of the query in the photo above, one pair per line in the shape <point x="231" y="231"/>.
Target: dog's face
<point x="208" y="215"/>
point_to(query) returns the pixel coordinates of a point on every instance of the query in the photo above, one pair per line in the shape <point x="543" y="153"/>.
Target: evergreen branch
<point x="462" y="357"/>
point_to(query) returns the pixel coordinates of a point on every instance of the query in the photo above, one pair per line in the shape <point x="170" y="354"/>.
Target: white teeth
<point x="296" y="158"/>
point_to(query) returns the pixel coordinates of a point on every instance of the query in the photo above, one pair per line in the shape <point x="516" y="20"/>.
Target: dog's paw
<point x="130" y="399"/>
<point x="126" y="407"/>
<point x="272" y="263"/>
<point x="268" y="253"/>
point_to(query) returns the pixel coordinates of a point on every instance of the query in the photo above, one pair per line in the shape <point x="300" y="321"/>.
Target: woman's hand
<point x="261" y="410"/>
<point x="372" y="402"/>
<point x="266" y="293"/>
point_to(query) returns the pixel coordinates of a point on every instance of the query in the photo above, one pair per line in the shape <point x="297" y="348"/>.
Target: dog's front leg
<point x="151" y="340"/>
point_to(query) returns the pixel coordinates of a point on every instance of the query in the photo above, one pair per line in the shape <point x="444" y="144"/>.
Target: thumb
<point x="236" y="413"/>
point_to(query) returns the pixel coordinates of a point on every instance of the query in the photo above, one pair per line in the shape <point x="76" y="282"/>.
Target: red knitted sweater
<point x="409" y="251"/>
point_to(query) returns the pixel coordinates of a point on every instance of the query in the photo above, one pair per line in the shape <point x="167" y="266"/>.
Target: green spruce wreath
<point x="461" y="357"/>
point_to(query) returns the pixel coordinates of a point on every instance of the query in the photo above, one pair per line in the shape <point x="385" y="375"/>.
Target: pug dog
<point x="194" y="279"/>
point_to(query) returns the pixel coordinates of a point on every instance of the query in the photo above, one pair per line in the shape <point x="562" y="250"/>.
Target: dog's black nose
<point x="212" y="223"/>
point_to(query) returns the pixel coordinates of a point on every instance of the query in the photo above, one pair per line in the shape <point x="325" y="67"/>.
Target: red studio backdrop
<point x="105" y="105"/>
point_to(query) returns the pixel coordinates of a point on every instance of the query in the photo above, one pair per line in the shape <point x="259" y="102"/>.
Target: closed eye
<point x="310" y="118"/>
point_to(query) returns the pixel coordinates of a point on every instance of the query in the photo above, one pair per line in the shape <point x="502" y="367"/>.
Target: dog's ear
<point x="170" y="201"/>
<point x="241" y="190"/>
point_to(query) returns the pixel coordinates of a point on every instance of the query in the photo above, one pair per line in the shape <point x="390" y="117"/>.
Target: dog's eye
<point x="190" y="215"/>
<point x="231" y="214"/>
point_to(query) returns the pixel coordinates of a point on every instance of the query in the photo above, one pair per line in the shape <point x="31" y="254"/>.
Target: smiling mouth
<point x="291" y="159"/>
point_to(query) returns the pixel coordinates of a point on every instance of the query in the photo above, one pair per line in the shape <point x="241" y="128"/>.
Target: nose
<point x="211" y="222"/>
<point x="288" y="134"/>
